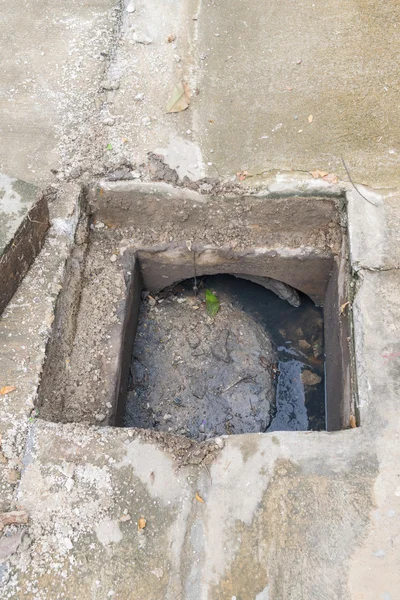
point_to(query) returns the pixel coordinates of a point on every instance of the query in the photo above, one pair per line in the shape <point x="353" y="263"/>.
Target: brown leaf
<point x="310" y="118"/>
<point x="353" y="422"/>
<point x="14" y="517"/>
<point x="171" y="38"/>
<point x="318" y="174"/>
<point x="141" y="523"/>
<point x="180" y="98"/>
<point x="199" y="498"/>
<point x="7" y="389"/>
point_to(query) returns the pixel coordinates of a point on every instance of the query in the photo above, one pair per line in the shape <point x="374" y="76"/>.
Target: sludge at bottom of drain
<point x="256" y="366"/>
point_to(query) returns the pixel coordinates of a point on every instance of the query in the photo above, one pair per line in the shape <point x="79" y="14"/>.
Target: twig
<point x="354" y="185"/>
<point x="240" y="380"/>
<point x="236" y="382"/>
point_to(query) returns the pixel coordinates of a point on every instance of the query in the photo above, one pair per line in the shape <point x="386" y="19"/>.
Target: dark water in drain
<point x="187" y="370"/>
<point x="297" y="334"/>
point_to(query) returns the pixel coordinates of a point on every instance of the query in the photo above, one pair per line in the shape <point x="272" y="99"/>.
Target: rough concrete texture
<point x="293" y="516"/>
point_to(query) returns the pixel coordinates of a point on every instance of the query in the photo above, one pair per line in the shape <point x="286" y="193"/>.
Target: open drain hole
<point x="257" y="366"/>
<point x="261" y="365"/>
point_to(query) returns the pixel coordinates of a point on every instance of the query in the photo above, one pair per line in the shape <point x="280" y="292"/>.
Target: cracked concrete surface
<point x="286" y="516"/>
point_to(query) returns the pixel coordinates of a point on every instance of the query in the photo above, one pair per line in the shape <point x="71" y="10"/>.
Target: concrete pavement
<point x="286" y="516"/>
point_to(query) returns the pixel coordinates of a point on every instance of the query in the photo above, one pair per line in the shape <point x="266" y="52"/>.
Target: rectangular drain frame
<point x="320" y="274"/>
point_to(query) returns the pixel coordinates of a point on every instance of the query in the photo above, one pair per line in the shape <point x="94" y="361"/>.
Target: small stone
<point x="99" y="225"/>
<point x="152" y="301"/>
<point x="110" y="85"/>
<point x="125" y="518"/>
<point x="310" y="378"/>
<point x="100" y="417"/>
<point x="113" y="258"/>
<point x="139" y="97"/>
<point x="142" y="39"/>
<point x="178" y="401"/>
<point x="68" y="544"/>
<point x="109" y="121"/>
<point x="167" y="417"/>
<point x="130" y="8"/>
<point x="109" y="405"/>
<point x="146" y="121"/>
<point x="304" y="345"/>
<point x="13" y="476"/>
<point x="69" y="484"/>
<point x="219" y="442"/>
<point x="75" y="172"/>
<point x="202" y="428"/>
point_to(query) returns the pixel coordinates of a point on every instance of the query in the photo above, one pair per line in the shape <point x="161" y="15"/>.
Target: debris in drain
<point x="237" y="371"/>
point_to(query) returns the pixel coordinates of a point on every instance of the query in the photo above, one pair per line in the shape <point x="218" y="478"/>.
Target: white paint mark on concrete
<point x="184" y="156"/>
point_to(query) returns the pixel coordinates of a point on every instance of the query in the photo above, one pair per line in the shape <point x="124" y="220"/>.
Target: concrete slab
<point x="52" y="64"/>
<point x="24" y="220"/>
<point x="257" y="79"/>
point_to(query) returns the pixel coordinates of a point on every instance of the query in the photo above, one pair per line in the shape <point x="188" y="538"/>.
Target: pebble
<point x="167" y="417"/>
<point x="110" y="85"/>
<point x="109" y="121"/>
<point x="13" y="476"/>
<point x="113" y="258"/>
<point x="139" y="97"/>
<point x="100" y="417"/>
<point x="130" y="8"/>
<point x="304" y="345"/>
<point x="310" y="378"/>
<point x="99" y="225"/>
<point x="142" y="39"/>
<point x="69" y="484"/>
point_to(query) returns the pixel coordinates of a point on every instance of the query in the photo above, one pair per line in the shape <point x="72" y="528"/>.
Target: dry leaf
<point x="199" y="498"/>
<point x="180" y="98"/>
<point x="343" y="307"/>
<point x="171" y="38"/>
<point x="331" y="178"/>
<point x="310" y="118"/>
<point x="141" y="523"/>
<point x="353" y="423"/>
<point x="318" y="174"/>
<point x="7" y="389"/>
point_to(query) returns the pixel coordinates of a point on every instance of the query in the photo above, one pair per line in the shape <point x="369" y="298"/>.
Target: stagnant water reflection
<point x="297" y="335"/>
<point x="259" y="366"/>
